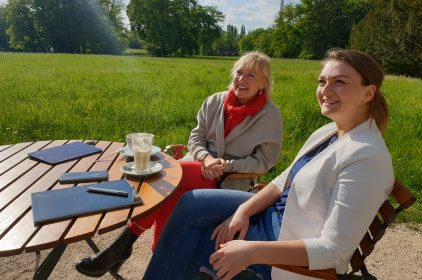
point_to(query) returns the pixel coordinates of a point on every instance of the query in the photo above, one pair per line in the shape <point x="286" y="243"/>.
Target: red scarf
<point x="235" y="113"/>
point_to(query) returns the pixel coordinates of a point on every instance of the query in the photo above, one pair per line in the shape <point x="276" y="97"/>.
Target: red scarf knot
<point x="235" y="113"/>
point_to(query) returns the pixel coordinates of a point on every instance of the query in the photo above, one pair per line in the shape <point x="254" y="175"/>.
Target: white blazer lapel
<point x="316" y="141"/>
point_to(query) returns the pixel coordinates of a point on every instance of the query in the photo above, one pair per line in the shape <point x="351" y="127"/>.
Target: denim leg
<point x="195" y="214"/>
<point x="263" y="226"/>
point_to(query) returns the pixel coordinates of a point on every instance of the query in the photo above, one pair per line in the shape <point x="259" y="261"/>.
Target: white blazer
<point x="334" y="198"/>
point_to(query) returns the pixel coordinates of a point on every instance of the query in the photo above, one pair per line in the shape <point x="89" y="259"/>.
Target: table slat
<point x="19" y="186"/>
<point x="21" y="155"/>
<point x="4" y="154"/>
<point x="4" y="147"/>
<point x="13" y="242"/>
<point x="15" y="173"/>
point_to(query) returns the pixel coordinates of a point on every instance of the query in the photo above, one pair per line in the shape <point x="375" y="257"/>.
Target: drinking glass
<point x="129" y="137"/>
<point x="141" y="146"/>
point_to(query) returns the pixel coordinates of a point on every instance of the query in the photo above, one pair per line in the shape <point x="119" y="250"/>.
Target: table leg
<point x="44" y="270"/>
<point x="94" y="248"/>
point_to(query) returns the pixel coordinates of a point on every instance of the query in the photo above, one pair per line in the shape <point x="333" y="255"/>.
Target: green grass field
<point x="64" y="96"/>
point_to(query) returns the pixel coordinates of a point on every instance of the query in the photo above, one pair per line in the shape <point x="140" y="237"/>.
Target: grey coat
<point x="252" y="146"/>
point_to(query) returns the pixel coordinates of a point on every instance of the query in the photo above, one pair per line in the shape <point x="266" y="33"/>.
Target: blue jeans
<point x="185" y="243"/>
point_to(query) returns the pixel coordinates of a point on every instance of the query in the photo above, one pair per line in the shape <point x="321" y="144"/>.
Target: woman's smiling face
<point x="247" y="83"/>
<point x="341" y="94"/>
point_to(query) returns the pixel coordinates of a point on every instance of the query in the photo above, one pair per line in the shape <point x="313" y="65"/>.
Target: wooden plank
<point x="7" y="178"/>
<point x="16" y="209"/>
<point x="21" y="155"/>
<point x="4" y="154"/>
<point x="13" y="242"/>
<point x="20" y="185"/>
<point x="51" y="235"/>
<point x="152" y="199"/>
<point x="158" y="188"/>
<point x="4" y="147"/>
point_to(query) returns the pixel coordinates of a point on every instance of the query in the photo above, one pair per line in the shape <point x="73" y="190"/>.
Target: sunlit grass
<point x="64" y="96"/>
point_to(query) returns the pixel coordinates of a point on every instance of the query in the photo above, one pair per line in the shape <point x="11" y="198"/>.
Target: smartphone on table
<point x="82" y="177"/>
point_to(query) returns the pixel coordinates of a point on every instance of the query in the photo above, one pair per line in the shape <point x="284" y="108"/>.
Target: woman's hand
<point x="238" y="223"/>
<point x="232" y="258"/>
<point x="212" y="167"/>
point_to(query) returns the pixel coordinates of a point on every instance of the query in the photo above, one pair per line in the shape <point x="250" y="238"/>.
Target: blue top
<point x="281" y="203"/>
<point x="266" y="226"/>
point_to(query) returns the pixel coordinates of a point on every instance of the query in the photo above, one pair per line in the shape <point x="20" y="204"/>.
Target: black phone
<point x="81" y="177"/>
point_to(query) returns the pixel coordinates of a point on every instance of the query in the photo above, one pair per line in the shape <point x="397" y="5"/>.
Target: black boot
<point x="110" y="258"/>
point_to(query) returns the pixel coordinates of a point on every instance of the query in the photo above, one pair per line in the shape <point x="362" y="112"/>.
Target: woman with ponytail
<point x="239" y="130"/>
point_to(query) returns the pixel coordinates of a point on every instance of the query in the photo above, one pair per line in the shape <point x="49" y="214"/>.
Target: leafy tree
<point x="113" y="9"/>
<point x="209" y="30"/>
<point x="328" y="24"/>
<point x="288" y="33"/>
<point x="174" y="27"/>
<point x="3" y="27"/>
<point x="246" y="43"/>
<point x="259" y="39"/>
<point x="150" y="18"/>
<point x="227" y="44"/>
<point x="312" y="27"/>
<point x="23" y="32"/>
<point x="133" y="40"/>
<point x="393" y="34"/>
<point x="69" y="26"/>
<point x="242" y="31"/>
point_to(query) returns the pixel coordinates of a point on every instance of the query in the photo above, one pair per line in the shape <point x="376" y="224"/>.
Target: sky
<point x="253" y="14"/>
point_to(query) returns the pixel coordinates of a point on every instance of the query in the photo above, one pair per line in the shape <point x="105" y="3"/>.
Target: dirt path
<point x="397" y="256"/>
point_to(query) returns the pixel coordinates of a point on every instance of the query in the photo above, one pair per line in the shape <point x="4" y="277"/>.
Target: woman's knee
<point x="188" y="202"/>
<point x="206" y="201"/>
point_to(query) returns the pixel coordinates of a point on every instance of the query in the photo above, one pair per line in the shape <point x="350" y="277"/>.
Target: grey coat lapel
<point x="219" y="134"/>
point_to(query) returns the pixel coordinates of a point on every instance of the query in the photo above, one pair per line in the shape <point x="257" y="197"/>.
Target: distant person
<point x="312" y="215"/>
<point x="51" y="49"/>
<point x="239" y="130"/>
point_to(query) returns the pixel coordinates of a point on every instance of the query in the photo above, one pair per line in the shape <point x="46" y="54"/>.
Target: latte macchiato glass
<point x="141" y="144"/>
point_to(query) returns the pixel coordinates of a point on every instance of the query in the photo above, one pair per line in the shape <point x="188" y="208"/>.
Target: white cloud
<point x="251" y="13"/>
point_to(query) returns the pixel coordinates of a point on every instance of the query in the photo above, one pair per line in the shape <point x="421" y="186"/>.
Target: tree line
<point x="72" y="26"/>
<point x="390" y="30"/>
<point x="387" y="29"/>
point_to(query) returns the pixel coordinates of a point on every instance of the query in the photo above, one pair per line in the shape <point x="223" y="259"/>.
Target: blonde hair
<point x="259" y="62"/>
<point x="372" y="74"/>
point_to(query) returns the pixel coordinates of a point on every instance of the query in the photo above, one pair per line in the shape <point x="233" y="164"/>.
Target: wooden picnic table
<point x="20" y="176"/>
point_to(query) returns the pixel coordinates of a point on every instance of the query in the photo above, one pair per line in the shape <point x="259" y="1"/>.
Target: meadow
<point x="65" y="96"/>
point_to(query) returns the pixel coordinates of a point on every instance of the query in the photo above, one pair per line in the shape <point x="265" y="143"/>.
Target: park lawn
<point x="69" y="96"/>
